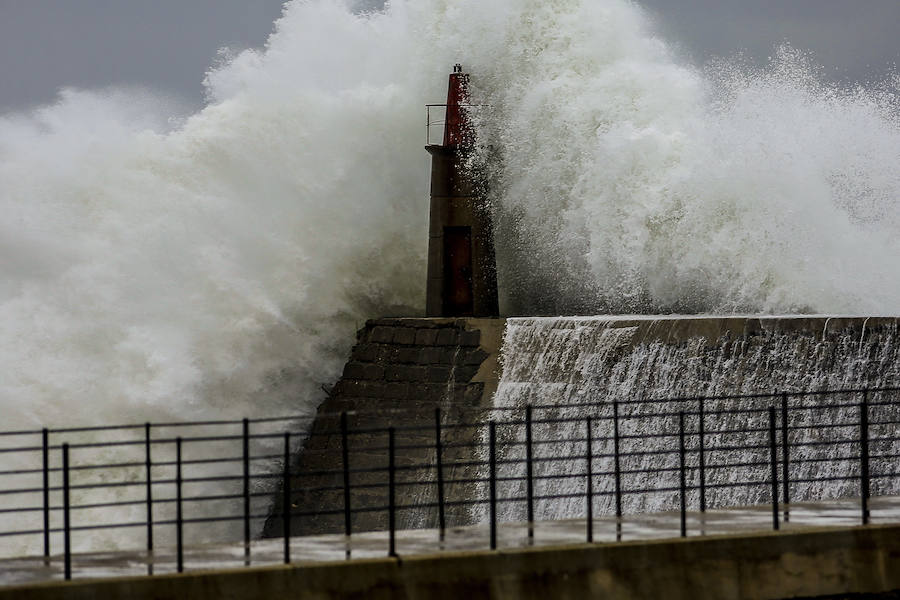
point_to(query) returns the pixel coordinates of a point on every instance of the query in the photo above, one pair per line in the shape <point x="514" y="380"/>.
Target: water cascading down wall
<point x="584" y="364"/>
<point x="580" y="362"/>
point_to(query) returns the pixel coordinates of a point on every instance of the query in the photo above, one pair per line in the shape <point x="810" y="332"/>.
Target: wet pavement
<point x="427" y="541"/>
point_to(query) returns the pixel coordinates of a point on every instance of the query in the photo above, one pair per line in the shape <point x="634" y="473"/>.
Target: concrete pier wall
<point x="401" y="369"/>
<point x="763" y="566"/>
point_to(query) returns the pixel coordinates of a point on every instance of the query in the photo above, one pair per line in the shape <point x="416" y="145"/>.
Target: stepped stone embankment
<point x="399" y="371"/>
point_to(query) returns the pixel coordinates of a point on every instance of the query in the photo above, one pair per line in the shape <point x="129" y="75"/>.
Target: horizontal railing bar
<point x="606" y="403"/>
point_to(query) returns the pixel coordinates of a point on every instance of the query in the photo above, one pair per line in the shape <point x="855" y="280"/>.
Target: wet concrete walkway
<point x="426" y="541"/>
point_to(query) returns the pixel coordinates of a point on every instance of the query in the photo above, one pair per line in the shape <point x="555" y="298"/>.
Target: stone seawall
<point x="398" y="373"/>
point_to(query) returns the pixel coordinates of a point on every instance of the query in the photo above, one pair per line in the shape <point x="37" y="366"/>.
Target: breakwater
<point x="577" y="364"/>
<point x="444" y="422"/>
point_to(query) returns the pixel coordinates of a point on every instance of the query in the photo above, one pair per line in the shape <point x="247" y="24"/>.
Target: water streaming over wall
<point x="159" y="267"/>
<point x="577" y="363"/>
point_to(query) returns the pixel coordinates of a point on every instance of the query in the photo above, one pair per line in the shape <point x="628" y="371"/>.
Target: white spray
<point x="216" y="266"/>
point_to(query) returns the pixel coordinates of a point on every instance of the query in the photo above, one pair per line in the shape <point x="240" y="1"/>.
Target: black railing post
<point x="345" y="459"/>
<point x="493" y="484"/>
<point x="785" y="459"/>
<point x="286" y="498"/>
<point x="148" y="463"/>
<point x="773" y="452"/>
<point x="701" y="432"/>
<point x="67" y="523"/>
<point x="618" y="470"/>
<point x="682" y="481"/>
<point x="529" y="475"/>
<point x="392" y="495"/>
<point x="45" y="455"/>
<point x="246" y="448"/>
<point x="864" y="456"/>
<point x="588" y="457"/>
<point x="439" y="463"/>
<point x="179" y="516"/>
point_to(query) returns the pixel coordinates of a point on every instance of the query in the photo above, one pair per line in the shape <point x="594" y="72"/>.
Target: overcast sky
<point x="169" y="44"/>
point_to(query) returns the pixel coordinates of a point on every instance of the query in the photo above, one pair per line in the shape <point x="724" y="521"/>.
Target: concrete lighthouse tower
<point x="462" y="273"/>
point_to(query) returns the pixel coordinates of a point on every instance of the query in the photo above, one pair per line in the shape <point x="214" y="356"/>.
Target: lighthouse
<point x="462" y="273"/>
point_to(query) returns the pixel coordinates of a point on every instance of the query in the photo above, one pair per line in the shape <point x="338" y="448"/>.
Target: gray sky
<point x="169" y="44"/>
<point x="164" y="44"/>
<point x="855" y="40"/>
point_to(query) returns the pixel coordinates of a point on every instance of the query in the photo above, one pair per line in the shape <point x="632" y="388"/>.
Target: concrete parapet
<point x="675" y="329"/>
<point x="761" y="566"/>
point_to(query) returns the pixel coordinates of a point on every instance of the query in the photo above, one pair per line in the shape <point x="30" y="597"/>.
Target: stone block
<point x="371" y="323"/>
<point x="365" y="353"/>
<point x="438" y="374"/>
<point x="395" y="373"/>
<point x="371" y="389"/>
<point x="428" y="324"/>
<point x="389" y="354"/>
<point x="345" y="387"/>
<point x="450" y="355"/>
<point x="408" y="355"/>
<point x="405" y="336"/>
<point x="396" y="390"/>
<point x="373" y="372"/>
<point x="447" y="337"/>
<point x="416" y="374"/>
<point x="382" y="335"/>
<point x="427" y="392"/>
<point x="426" y="337"/>
<point x="354" y="370"/>
<point x="429" y="356"/>
<point x="470" y="338"/>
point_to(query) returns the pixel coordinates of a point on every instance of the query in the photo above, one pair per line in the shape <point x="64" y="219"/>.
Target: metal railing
<point x="436" y="119"/>
<point x="500" y="464"/>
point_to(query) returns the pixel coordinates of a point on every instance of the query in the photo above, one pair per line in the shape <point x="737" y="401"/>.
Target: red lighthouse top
<point x="457" y="130"/>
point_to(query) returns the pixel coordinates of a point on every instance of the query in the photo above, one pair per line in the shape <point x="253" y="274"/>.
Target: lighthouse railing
<point x="436" y="120"/>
